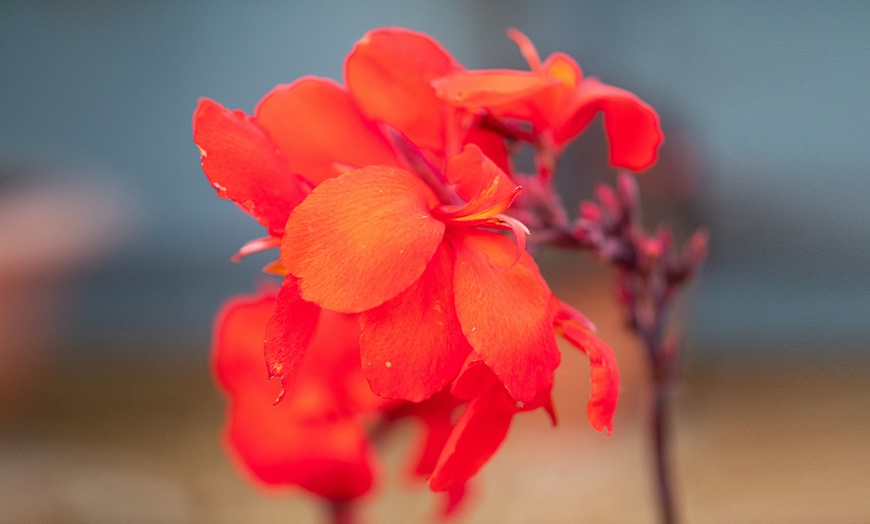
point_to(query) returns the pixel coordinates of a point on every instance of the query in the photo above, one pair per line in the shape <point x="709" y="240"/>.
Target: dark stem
<point x="660" y="437"/>
<point x="342" y="512"/>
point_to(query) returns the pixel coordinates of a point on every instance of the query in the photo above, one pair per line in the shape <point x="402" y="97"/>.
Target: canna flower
<point x="432" y="281"/>
<point x="559" y="103"/>
<point x="314" y="439"/>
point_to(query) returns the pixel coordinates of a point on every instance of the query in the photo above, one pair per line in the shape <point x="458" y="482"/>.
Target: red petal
<point x="632" y="126"/>
<point x="245" y="166"/>
<point x="301" y="441"/>
<point x="237" y="343"/>
<point x="317" y="127"/>
<point x="289" y="332"/>
<point x="362" y="238"/>
<point x="412" y="345"/>
<point x="481" y="183"/>
<point x="389" y="73"/>
<point x="477" y="435"/>
<point x="325" y="455"/>
<point x="604" y="375"/>
<point x="504" y="92"/>
<point x="505" y="313"/>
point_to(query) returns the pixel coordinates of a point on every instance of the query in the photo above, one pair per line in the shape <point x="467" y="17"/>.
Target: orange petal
<point x="389" y="73"/>
<point x="631" y="125"/>
<point x="412" y="345"/>
<point x="245" y="166"/>
<point x="503" y="92"/>
<point x="288" y="333"/>
<point x="360" y="239"/>
<point x="505" y="313"/>
<point x="317" y="127"/>
<point x="477" y="435"/>
<point x="481" y="183"/>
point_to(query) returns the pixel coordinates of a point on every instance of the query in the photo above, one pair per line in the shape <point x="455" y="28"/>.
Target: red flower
<point x="559" y="103"/>
<point x="314" y="438"/>
<point x="431" y="281"/>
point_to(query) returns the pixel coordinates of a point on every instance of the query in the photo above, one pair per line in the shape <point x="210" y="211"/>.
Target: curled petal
<point x="604" y="373"/>
<point x="318" y="129"/>
<point x="255" y="246"/>
<point x="487" y="190"/>
<point x="362" y="238"/>
<point x="288" y="333"/>
<point x="412" y="345"/>
<point x="505" y="313"/>
<point x="389" y="73"/>
<point x="632" y="126"/>
<point x="245" y="166"/>
<point x="527" y="48"/>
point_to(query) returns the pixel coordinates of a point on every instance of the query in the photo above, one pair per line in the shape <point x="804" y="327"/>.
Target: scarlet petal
<point x="480" y="182"/>
<point x="477" y="435"/>
<point x="412" y="345"/>
<point x="317" y="127"/>
<point x="245" y="166"/>
<point x="390" y="72"/>
<point x="632" y="126"/>
<point x="301" y="441"/>
<point x="238" y="340"/>
<point x="604" y="375"/>
<point x="289" y="332"/>
<point x="360" y="239"/>
<point x="505" y="313"/>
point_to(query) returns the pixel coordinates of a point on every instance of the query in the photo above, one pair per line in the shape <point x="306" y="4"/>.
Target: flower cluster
<point x="408" y="289"/>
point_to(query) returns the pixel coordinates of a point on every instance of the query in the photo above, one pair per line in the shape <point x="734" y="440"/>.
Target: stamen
<point x="526" y="48"/>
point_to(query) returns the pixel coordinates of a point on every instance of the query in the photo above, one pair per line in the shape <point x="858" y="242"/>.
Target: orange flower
<point x="430" y="280"/>
<point x="559" y="103"/>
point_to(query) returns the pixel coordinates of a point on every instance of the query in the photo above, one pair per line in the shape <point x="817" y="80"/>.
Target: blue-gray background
<point x="769" y="101"/>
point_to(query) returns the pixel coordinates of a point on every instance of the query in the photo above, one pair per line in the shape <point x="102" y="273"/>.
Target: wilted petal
<point x="412" y="345"/>
<point x="289" y="332"/>
<point x="360" y="239"/>
<point x="504" y="309"/>
<point x="317" y="127"/>
<point x="245" y="166"/>
<point x="389" y="72"/>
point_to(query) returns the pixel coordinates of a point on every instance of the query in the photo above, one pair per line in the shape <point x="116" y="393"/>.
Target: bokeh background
<point x="114" y="254"/>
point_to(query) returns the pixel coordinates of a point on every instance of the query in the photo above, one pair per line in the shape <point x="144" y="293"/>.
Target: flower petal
<point x="412" y="345"/>
<point x="245" y="166"/>
<point x="604" y="371"/>
<point x="631" y="125"/>
<point x="389" y="73"/>
<point x="477" y="435"/>
<point x="360" y="239"/>
<point x="289" y="333"/>
<point x="301" y="441"/>
<point x="505" y="92"/>
<point x="481" y="183"/>
<point x="505" y="313"/>
<point x="318" y="128"/>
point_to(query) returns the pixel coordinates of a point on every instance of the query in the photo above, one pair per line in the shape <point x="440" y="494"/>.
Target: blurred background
<point x="115" y="253"/>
